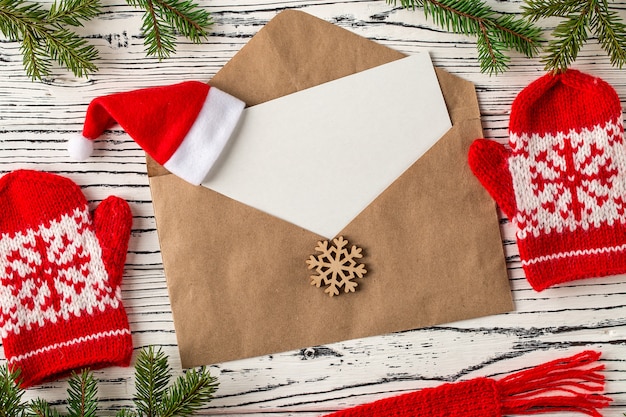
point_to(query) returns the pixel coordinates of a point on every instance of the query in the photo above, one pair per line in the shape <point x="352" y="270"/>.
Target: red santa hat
<point x="183" y="127"/>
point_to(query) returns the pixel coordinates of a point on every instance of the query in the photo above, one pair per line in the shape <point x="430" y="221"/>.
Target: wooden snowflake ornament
<point x="336" y="267"/>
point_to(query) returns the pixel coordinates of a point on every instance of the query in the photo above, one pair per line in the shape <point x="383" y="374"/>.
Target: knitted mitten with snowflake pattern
<point x="562" y="183"/>
<point x="60" y="275"/>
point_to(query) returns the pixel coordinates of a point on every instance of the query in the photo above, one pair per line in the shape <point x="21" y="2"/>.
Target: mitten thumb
<point x="488" y="160"/>
<point x="113" y="221"/>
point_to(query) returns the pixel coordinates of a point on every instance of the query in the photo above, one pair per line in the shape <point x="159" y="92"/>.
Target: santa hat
<point x="183" y="127"/>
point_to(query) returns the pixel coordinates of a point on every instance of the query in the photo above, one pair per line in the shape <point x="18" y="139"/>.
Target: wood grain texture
<point x="37" y="118"/>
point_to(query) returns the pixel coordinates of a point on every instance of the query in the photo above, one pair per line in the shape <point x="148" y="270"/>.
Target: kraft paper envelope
<point x="237" y="278"/>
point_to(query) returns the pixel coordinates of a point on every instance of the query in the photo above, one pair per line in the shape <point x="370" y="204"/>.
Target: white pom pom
<point x="79" y="147"/>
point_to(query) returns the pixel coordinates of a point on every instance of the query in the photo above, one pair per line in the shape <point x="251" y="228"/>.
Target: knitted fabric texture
<point x="571" y="384"/>
<point x="60" y="275"/>
<point x="562" y="182"/>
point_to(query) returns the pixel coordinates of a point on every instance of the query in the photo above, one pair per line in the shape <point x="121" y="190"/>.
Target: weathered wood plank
<point x="37" y="118"/>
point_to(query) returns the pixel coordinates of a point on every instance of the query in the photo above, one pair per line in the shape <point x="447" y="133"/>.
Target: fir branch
<point x="188" y="394"/>
<point x="164" y="17"/>
<point x="44" y="37"/>
<point x="159" y="36"/>
<point x="41" y="408"/>
<point x="10" y="393"/>
<point x="73" y="12"/>
<point x="16" y="14"/>
<point x="154" y="398"/>
<point x="152" y="376"/>
<point x="580" y="19"/>
<point x="82" y="392"/>
<point x="19" y="20"/>
<point x="611" y="33"/>
<point x="492" y="59"/>
<point x="35" y="58"/>
<point x="188" y="19"/>
<point x="519" y="35"/>
<point x="568" y="38"/>
<point x="496" y="33"/>
<point x="535" y="10"/>
<point x="72" y="52"/>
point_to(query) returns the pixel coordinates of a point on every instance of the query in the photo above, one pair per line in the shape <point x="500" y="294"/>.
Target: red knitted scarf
<point x="571" y="384"/>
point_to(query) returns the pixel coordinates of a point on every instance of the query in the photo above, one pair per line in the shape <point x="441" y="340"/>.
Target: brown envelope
<point x="237" y="278"/>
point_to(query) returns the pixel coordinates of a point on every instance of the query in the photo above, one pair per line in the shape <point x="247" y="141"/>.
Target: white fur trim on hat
<point x="207" y="137"/>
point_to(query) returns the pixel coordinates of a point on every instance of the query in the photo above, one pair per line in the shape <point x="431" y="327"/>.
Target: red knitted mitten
<point x="563" y="181"/>
<point x="60" y="275"/>
<point x="571" y="384"/>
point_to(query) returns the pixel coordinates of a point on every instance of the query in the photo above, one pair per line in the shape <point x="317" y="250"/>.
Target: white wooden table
<point x="37" y="118"/>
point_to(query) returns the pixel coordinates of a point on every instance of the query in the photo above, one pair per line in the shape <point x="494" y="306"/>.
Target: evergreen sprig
<point x="152" y="376"/>
<point x="154" y="398"/>
<point x="188" y="393"/>
<point x="580" y="19"/>
<point x="41" y="408"/>
<point x="46" y="36"/>
<point x="82" y="395"/>
<point x="164" y="18"/>
<point x="82" y="398"/>
<point x="496" y="33"/>
<point x="10" y="394"/>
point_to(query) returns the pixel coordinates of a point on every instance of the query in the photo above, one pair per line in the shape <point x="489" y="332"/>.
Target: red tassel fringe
<point x="569" y="384"/>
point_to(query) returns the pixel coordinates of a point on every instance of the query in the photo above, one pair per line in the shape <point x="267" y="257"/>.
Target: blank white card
<point x="318" y="157"/>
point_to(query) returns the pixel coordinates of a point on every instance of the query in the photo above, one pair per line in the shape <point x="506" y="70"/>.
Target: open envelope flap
<point x="237" y="277"/>
<point x="319" y="58"/>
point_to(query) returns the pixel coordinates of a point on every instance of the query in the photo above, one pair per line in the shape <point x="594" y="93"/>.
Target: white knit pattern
<point x="574" y="254"/>
<point x="73" y="342"/>
<point x="569" y="180"/>
<point x="69" y="279"/>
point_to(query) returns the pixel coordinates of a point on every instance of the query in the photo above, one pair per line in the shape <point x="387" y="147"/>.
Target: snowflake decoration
<point x="336" y="267"/>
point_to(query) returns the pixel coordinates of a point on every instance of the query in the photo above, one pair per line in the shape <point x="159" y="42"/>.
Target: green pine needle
<point x="14" y="16"/>
<point x="519" y="35"/>
<point x="41" y="408"/>
<point x="152" y="376"/>
<point x="82" y="395"/>
<point x="535" y="10"/>
<point x="10" y="393"/>
<point x="164" y="18"/>
<point x="580" y="19"/>
<point x="490" y="53"/>
<point x="611" y="33"/>
<point x="496" y="33"/>
<point x="66" y="48"/>
<point x="45" y="38"/>
<point x="73" y="12"/>
<point x="568" y="38"/>
<point x="188" y="394"/>
<point x="154" y="398"/>
<point x="188" y="19"/>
